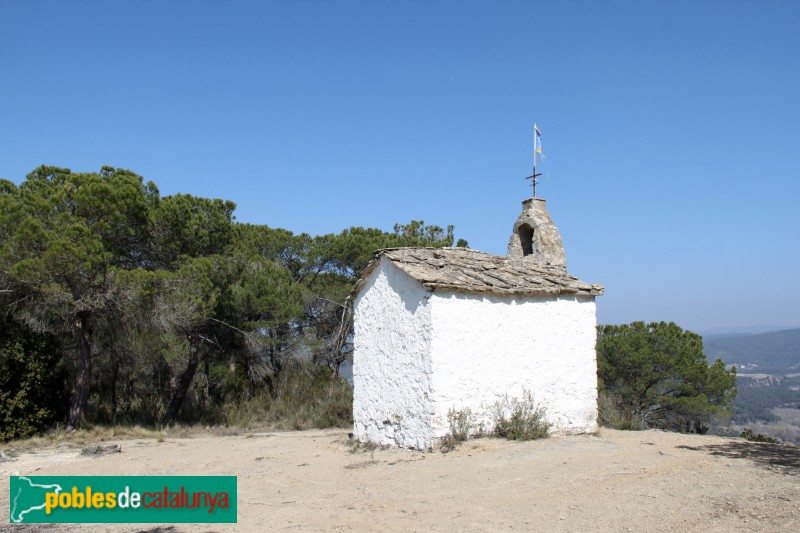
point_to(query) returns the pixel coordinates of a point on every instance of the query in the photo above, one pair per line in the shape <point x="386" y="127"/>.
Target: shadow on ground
<point x="783" y="456"/>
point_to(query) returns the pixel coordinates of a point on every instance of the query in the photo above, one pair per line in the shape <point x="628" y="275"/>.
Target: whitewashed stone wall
<point x="418" y="354"/>
<point x="391" y="361"/>
<point x="488" y="346"/>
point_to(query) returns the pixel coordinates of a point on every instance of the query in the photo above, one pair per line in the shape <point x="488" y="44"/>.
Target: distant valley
<point x="768" y="380"/>
<point x="777" y="352"/>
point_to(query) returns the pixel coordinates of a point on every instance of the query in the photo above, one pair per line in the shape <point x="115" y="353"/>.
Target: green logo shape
<point x="122" y="499"/>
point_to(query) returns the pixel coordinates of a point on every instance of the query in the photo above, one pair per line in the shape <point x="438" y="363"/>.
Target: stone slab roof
<point x="471" y="271"/>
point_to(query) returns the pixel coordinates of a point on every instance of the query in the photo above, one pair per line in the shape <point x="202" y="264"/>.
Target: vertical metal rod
<point x="534" y="161"/>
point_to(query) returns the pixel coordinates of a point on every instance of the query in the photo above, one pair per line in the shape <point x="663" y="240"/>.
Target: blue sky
<point x="669" y="128"/>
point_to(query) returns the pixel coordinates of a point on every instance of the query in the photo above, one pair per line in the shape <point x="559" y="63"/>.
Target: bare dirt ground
<point x="314" y="481"/>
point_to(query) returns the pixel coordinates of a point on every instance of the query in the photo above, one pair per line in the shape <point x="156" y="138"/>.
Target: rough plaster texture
<point x="419" y="354"/>
<point x="487" y="346"/>
<point x="391" y="360"/>
<point x="547" y="248"/>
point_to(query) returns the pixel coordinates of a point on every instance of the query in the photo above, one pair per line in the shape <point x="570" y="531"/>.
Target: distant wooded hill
<point x="777" y="352"/>
<point x="768" y="365"/>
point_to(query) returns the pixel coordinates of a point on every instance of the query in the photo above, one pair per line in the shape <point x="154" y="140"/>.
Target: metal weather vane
<point x="537" y="148"/>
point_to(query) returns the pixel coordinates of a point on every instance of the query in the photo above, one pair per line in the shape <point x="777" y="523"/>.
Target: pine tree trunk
<point x="182" y="386"/>
<point x="345" y="327"/>
<point x="83" y="372"/>
<point x="114" y="379"/>
<point x="207" y="384"/>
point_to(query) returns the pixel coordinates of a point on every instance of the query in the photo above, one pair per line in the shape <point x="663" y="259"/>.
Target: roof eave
<point x="555" y="291"/>
<point x="585" y="289"/>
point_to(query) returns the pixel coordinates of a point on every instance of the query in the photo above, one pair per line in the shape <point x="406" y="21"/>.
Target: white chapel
<point x="440" y="329"/>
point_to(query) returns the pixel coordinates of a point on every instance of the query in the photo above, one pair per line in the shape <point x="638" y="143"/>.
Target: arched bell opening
<point x="526" y="239"/>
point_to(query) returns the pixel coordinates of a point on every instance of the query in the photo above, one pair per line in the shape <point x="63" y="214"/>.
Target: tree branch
<point x="330" y="301"/>
<point x="232" y="327"/>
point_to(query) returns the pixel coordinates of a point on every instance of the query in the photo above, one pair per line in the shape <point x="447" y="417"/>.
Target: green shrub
<point x="613" y="414"/>
<point x="520" y="419"/>
<point x="303" y="397"/>
<point x="752" y="437"/>
<point x="461" y="424"/>
<point x="32" y="382"/>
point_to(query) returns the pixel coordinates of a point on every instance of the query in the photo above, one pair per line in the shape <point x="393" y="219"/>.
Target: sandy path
<point x="618" y="481"/>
